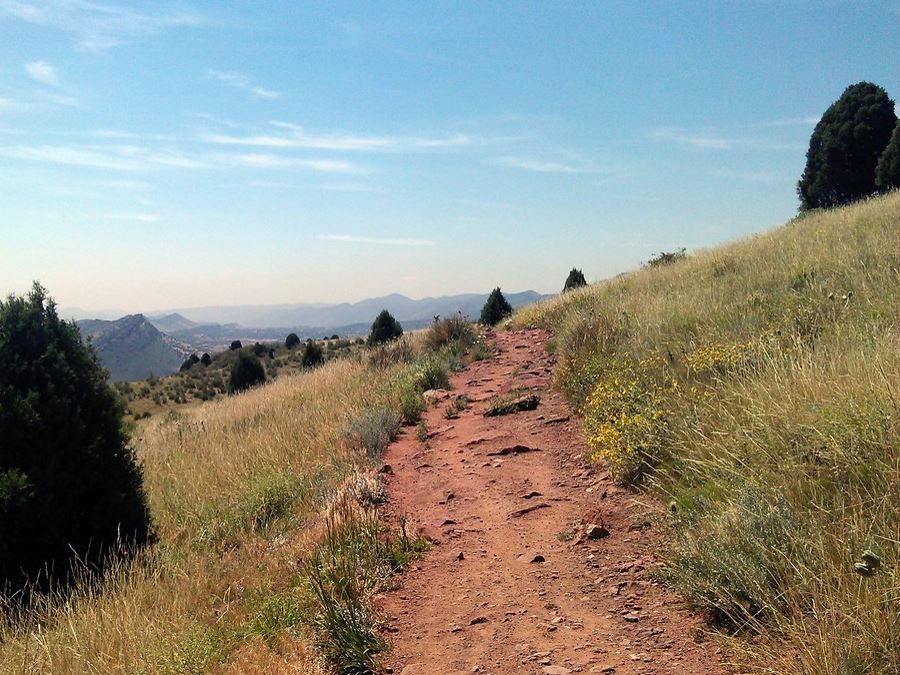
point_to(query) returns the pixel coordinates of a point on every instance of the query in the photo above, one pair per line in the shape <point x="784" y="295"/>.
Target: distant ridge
<point x="172" y="323"/>
<point x="334" y="316"/>
<point x="131" y="348"/>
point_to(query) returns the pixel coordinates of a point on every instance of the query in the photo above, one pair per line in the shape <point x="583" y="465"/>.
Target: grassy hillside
<point x="204" y="383"/>
<point x="756" y="388"/>
<point x="269" y="544"/>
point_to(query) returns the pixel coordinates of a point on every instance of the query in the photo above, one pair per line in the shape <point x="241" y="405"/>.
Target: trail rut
<point x="539" y="564"/>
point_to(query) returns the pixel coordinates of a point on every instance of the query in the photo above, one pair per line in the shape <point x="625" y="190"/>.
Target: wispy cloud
<point x="262" y="92"/>
<point x="136" y="217"/>
<point x="751" y="176"/>
<point x="94" y="25"/>
<point x="241" y="81"/>
<point x="269" y="161"/>
<point x="538" y="166"/>
<point x="112" y="158"/>
<point x="790" y="122"/>
<point x="57" y="99"/>
<point x="352" y="239"/>
<point x="705" y="141"/>
<point x="9" y="104"/>
<point x="294" y="137"/>
<point x="42" y="72"/>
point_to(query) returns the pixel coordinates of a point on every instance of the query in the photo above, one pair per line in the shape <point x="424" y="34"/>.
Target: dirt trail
<point x="505" y="589"/>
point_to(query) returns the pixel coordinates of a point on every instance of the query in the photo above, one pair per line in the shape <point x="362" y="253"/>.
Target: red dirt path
<point x="471" y="604"/>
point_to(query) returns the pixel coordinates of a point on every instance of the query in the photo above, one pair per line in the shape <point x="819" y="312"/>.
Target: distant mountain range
<point x="216" y="327"/>
<point x="132" y="348"/>
<point x="340" y="315"/>
<point x="135" y="346"/>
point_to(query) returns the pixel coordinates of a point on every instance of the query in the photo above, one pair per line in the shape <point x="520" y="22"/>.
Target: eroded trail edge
<point x="539" y="564"/>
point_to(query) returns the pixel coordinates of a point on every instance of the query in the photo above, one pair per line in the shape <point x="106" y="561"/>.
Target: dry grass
<point x="233" y="486"/>
<point x="773" y="369"/>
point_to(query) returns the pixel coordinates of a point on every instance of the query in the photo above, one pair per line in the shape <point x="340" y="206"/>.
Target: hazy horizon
<point x="119" y="311"/>
<point x="191" y="154"/>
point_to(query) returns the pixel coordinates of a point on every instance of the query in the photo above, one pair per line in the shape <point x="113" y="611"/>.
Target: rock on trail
<point x="537" y="565"/>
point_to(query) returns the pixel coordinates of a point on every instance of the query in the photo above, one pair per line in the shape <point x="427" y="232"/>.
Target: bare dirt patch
<point x="539" y="564"/>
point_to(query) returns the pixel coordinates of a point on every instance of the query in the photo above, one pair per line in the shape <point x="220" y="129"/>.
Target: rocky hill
<point x="132" y="348"/>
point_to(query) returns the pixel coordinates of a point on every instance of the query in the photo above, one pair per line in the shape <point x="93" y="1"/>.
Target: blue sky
<point x="157" y="155"/>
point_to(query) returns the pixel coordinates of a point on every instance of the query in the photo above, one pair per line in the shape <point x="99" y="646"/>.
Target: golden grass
<point x="231" y="485"/>
<point x="774" y="365"/>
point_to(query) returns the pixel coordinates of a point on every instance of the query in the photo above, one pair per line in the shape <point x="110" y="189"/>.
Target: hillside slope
<point x="756" y="388"/>
<point x="131" y="348"/>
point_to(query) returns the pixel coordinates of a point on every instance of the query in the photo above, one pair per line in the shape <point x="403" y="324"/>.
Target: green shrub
<point x="385" y="328"/>
<point x="235" y="345"/>
<point x="737" y="558"/>
<point x="206" y="359"/>
<point x="246" y="372"/>
<point x="667" y="258"/>
<point x="496" y="308"/>
<point x="373" y="430"/>
<point x="268" y="497"/>
<point x="71" y="491"/>
<point x="445" y="331"/>
<point x="431" y="373"/>
<point x="291" y="341"/>
<point x="312" y="355"/>
<point x="410" y="403"/>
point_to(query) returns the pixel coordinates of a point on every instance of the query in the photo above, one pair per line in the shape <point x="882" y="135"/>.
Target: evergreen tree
<point x="246" y="372"/>
<point x="291" y="341"/>
<point x="206" y="359"/>
<point x="845" y="147"/>
<point x="236" y="344"/>
<point x="70" y="487"/>
<point x="495" y="308"/>
<point x="887" y="173"/>
<point x="574" y="280"/>
<point x="385" y="328"/>
<point x="312" y="355"/>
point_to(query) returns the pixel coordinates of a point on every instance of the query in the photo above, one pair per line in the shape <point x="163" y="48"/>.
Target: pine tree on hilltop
<point x="887" y="173"/>
<point x="291" y="340"/>
<point x="574" y="280"/>
<point x="71" y="490"/>
<point x="495" y="309"/>
<point x="845" y="147"/>
<point x="385" y="328"/>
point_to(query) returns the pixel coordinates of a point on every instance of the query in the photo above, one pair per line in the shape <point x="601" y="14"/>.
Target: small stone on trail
<point x="478" y="619"/>
<point x="460" y="555"/>
<point x="385" y="468"/>
<point x="415" y="669"/>
<point x="530" y="557"/>
<point x="558" y="420"/>
<point x="594" y="531"/>
<point x="528" y="509"/>
<point x="555" y="670"/>
<point x="513" y="450"/>
<point x="529" y="495"/>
